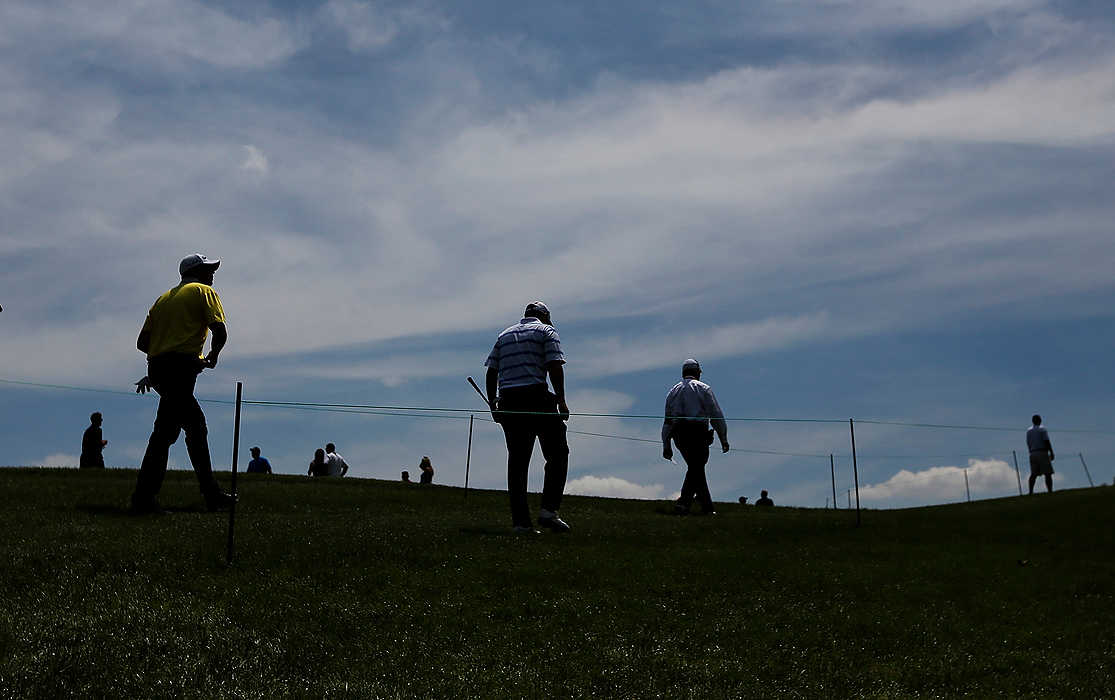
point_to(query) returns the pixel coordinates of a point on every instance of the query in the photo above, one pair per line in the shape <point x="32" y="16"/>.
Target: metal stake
<point x="855" y="467"/>
<point x="1017" y="473"/>
<point x="1086" y="472"/>
<point x="468" y="455"/>
<point x="235" y="459"/>
<point x="832" y="469"/>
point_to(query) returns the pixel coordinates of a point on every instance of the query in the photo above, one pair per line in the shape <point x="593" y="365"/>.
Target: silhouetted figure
<point x="406" y="477"/>
<point x="427" y="475"/>
<point x="173" y="337"/>
<point x="337" y="464"/>
<point x="258" y="465"/>
<point x="522" y="357"/>
<point x="743" y="500"/>
<point x="690" y="408"/>
<point x="764" y="499"/>
<point x="1041" y="454"/>
<point x="319" y="466"/>
<point x="92" y="445"/>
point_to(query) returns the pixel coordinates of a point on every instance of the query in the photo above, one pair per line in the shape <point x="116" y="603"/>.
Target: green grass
<point x="365" y="588"/>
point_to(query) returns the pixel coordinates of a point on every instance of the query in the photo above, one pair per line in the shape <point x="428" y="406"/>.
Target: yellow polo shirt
<point x="179" y="320"/>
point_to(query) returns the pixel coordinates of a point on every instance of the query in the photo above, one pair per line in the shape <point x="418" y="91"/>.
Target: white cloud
<point x="160" y="30"/>
<point x="254" y="160"/>
<point x="59" y="459"/>
<point x="986" y="478"/>
<point x="614" y="487"/>
<point x="365" y="25"/>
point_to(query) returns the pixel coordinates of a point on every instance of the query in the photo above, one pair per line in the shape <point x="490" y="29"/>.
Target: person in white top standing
<point x="1041" y="454"/>
<point x="690" y="408"/>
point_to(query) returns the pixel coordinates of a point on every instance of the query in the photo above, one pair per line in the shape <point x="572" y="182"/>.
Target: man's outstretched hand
<point x="144" y="385"/>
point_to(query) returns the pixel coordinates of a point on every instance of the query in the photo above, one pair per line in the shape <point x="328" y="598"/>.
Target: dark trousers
<point x="693" y="445"/>
<point x="520" y="430"/>
<point x="174" y="376"/>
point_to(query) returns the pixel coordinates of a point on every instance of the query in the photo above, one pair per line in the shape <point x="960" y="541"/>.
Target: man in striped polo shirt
<point x="522" y="357"/>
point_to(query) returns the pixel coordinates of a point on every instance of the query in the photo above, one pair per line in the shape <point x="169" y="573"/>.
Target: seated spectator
<point x="258" y="465"/>
<point x="319" y="466"/>
<point x="337" y="464"/>
<point x="764" y="500"/>
<point x="406" y="477"/>
<point x="743" y="500"/>
<point x="427" y="476"/>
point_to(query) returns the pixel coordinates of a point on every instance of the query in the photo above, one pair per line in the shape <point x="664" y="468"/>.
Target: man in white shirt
<point x="690" y="408"/>
<point x="336" y="463"/>
<point x="1041" y="454"/>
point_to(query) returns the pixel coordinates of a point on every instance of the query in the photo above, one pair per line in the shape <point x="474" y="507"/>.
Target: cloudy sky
<point x="884" y="209"/>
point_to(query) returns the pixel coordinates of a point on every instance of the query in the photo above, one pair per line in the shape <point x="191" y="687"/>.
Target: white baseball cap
<point x="196" y="260"/>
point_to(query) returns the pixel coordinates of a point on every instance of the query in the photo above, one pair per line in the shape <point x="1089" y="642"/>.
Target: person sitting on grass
<point x="258" y="465"/>
<point x="406" y="477"/>
<point x="764" y="499"/>
<point x="337" y="464"/>
<point x="318" y="465"/>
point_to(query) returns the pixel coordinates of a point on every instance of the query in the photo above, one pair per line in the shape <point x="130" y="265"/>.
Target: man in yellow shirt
<point x="173" y="336"/>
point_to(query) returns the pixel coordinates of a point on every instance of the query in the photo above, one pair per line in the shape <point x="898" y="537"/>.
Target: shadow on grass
<point x="488" y="531"/>
<point x="121" y="511"/>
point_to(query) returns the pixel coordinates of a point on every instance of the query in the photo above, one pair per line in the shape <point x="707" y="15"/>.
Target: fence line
<point x="412" y="410"/>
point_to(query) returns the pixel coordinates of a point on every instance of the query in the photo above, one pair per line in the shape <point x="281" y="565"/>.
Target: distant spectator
<point x="743" y="500"/>
<point x="92" y="445"/>
<point x="337" y="464"/>
<point x="258" y="465"/>
<point x="764" y="499"/>
<point x="406" y="477"/>
<point x="427" y="476"/>
<point x="319" y="466"/>
<point x="1041" y="454"/>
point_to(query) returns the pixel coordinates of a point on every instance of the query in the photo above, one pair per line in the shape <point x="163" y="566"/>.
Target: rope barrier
<point x="429" y="410"/>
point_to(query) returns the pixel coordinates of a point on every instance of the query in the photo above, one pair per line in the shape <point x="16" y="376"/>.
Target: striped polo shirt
<point x="522" y="352"/>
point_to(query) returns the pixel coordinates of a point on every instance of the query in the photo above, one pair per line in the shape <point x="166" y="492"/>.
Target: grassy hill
<point x="373" y="589"/>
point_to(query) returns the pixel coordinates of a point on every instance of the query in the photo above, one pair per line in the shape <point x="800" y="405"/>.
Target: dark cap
<point x="537" y="309"/>
<point x="193" y="262"/>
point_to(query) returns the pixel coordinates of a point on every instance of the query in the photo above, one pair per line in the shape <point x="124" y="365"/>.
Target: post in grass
<point x="1086" y="472"/>
<point x="832" y="471"/>
<point x="855" y="466"/>
<point x="468" y="454"/>
<point x="235" y="459"/>
<point x="1017" y="474"/>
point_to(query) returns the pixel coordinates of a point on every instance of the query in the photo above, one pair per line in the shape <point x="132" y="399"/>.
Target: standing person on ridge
<point x="1041" y="454"/>
<point x="92" y="445"/>
<point x="522" y="357"/>
<point x="427" y="469"/>
<point x="690" y="407"/>
<point x="173" y="337"/>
